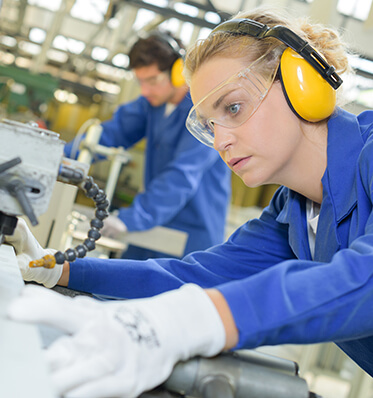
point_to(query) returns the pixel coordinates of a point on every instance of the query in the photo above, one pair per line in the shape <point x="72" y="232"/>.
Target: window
<point x="52" y="5"/>
<point x="90" y="10"/>
<point x="67" y="44"/>
<point x="355" y="8"/>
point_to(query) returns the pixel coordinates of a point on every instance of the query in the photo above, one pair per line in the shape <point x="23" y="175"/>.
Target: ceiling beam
<point x="21" y="14"/>
<point x="171" y="13"/>
<point x="53" y="30"/>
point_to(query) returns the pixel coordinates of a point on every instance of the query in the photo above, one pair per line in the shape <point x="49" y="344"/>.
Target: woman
<point x="301" y="273"/>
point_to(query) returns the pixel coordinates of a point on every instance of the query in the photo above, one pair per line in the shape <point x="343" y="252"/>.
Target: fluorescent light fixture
<point x="58" y="56"/>
<point x="121" y="60"/>
<point x="172" y="25"/>
<point x="65" y="96"/>
<point x="37" y="35"/>
<point x="186" y="32"/>
<point x="60" y="42"/>
<point x="365" y="65"/>
<point x="29" y="48"/>
<point x="18" y="88"/>
<point x="61" y="95"/>
<point x="67" y="44"/>
<point x="22" y="62"/>
<point x="212" y="17"/>
<point x="186" y="9"/>
<point x="6" y="58"/>
<point x="110" y="71"/>
<point x="72" y="98"/>
<point x="99" y="53"/>
<point x="8" y="41"/>
<point x="143" y="17"/>
<point x="107" y="87"/>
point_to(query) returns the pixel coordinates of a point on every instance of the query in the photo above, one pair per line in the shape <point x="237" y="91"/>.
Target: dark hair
<point x="157" y="49"/>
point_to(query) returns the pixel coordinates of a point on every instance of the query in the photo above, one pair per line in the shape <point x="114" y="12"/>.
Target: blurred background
<point x="63" y="62"/>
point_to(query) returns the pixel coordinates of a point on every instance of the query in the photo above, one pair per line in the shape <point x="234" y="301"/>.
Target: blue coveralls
<point x="187" y="185"/>
<point x="276" y="293"/>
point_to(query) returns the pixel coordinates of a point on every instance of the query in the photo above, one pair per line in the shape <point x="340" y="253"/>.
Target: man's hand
<point x="121" y="348"/>
<point x="113" y="227"/>
<point x="27" y="248"/>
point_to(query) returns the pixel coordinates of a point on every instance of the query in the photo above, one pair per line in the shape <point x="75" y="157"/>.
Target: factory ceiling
<point x="84" y="42"/>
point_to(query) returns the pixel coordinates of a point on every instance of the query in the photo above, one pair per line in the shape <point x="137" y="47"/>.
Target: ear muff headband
<point x="308" y="81"/>
<point x="177" y="76"/>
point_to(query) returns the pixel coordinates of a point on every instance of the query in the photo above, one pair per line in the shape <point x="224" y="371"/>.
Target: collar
<point x="183" y="106"/>
<point x="343" y="148"/>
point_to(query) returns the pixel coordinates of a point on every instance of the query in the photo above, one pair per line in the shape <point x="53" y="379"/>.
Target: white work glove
<point x="121" y="348"/>
<point x="113" y="227"/>
<point x="27" y="248"/>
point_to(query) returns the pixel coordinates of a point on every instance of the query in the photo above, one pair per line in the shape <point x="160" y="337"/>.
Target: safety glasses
<point x="153" y="81"/>
<point x="235" y="100"/>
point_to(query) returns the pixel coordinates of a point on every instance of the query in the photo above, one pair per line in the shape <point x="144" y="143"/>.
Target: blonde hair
<point x="325" y="40"/>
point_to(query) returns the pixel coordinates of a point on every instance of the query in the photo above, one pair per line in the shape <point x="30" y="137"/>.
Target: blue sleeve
<point x="255" y="246"/>
<point x="171" y="189"/>
<point x="306" y="302"/>
<point x="125" y="128"/>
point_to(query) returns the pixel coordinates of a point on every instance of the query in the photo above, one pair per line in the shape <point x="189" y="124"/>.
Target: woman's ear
<point x="308" y="94"/>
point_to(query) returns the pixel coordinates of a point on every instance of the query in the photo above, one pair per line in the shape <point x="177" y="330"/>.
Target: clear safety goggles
<point x="232" y="102"/>
<point x="153" y="81"/>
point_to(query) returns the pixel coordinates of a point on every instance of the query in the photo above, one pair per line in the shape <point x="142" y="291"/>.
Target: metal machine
<point x="238" y="374"/>
<point x="31" y="161"/>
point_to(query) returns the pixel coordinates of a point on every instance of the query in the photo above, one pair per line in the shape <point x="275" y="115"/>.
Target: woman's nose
<point x="223" y="138"/>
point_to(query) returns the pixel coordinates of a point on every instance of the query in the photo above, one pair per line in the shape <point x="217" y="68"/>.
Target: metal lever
<point x="15" y="187"/>
<point x="9" y="164"/>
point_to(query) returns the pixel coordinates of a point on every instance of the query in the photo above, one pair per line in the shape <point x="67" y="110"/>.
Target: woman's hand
<point x="27" y="248"/>
<point x="121" y="348"/>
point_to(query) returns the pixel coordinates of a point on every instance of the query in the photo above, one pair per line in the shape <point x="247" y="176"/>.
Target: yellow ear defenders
<point x="308" y="81"/>
<point x="176" y="74"/>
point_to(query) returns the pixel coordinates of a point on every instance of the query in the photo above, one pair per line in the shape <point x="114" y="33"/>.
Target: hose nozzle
<point x="48" y="261"/>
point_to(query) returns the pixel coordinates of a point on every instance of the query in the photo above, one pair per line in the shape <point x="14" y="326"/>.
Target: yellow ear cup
<point x="177" y="77"/>
<point x="310" y="96"/>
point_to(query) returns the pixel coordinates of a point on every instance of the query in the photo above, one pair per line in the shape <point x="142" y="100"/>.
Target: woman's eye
<point x="233" y="108"/>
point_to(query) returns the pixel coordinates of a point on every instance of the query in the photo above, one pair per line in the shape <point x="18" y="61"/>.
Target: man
<point x="186" y="184"/>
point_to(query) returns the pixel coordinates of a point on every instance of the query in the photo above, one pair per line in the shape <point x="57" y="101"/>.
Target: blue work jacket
<point x="187" y="185"/>
<point x="276" y="292"/>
